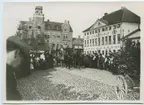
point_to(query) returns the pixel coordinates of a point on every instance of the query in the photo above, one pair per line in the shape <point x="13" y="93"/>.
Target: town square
<point x="54" y="60"/>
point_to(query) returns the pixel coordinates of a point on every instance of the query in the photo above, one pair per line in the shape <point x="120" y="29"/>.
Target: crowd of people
<point x="71" y="58"/>
<point x="114" y="62"/>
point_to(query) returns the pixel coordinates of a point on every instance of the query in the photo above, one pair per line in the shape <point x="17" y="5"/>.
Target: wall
<point x="128" y="27"/>
<point x="106" y="46"/>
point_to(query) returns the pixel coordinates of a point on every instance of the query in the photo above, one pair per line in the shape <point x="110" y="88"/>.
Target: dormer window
<point x="118" y="26"/>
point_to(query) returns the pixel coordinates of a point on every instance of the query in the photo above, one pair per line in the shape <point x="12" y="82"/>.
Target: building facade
<point x="77" y="43"/>
<point x="38" y="32"/>
<point x="105" y="34"/>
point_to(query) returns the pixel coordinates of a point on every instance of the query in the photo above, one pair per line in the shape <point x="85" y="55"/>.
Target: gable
<point x="97" y="24"/>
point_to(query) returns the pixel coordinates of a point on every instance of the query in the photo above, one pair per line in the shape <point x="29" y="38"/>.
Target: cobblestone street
<point x="73" y="84"/>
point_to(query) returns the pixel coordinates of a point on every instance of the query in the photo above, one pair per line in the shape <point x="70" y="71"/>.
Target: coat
<point x="11" y="84"/>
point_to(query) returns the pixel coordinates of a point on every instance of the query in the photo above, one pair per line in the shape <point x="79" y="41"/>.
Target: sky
<point x="81" y="15"/>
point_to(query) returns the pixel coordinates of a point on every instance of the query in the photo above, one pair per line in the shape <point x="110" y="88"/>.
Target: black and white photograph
<point x="72" y="51"/>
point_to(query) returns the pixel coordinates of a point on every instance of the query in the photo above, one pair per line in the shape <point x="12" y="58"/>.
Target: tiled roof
<point x="56" y="26"/>
<point x="121" y="15"/>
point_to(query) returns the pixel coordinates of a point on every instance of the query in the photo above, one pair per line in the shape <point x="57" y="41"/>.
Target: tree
<point x="128" y="60"/>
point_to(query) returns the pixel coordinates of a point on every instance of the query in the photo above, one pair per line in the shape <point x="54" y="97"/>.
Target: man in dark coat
<point x="16" y="53"/>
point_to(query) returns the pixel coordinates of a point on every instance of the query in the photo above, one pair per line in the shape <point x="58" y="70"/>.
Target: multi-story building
<point x="105" y="34"/>
<point x="77" y="43"/>
<point x="45" y="33"/>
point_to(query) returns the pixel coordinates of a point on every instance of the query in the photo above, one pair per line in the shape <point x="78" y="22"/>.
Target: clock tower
<point x="38" y="21"/>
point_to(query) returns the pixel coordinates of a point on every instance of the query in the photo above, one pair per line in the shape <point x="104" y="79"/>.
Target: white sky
<point x="81" y="15"/>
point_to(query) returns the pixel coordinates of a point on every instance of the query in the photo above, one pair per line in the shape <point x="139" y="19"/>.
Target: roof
<point x="56" y="26"/>
<point x="121" y="15"/>
<point x="137" y="30"/>
<point x="50" y="25"/>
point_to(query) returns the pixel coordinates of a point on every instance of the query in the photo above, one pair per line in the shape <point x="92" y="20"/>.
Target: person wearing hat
<point x="16" y="53"/>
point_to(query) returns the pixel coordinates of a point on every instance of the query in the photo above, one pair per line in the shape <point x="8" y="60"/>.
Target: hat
<point x="14" y="42"/>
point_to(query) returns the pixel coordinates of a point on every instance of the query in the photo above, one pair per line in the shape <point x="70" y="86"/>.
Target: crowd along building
<point x="104" y="36"/>
<point x="41" y="34"/>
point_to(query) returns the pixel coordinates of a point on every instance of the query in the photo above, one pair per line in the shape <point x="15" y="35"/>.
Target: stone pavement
<point x="64" y="84"/>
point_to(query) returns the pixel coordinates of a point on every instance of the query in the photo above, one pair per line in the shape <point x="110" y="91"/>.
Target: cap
<point x="14" y="42"/>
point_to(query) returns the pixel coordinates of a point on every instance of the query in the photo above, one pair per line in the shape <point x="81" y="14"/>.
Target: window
<point x="85" y="42"/>
<point x="118" y="38"/>
<point x="114" y="51"/>
<point x="90" y="42"/>
<point x="106" y="40"/>
<point x="58" y="36"/>
<point x="118" y="26"/>
<point x="114" y="26"/>
<point x="109" y="27"/>
<point x="95" y="41"/>
<point x="98" y="41"/>
<point x="103" y="29"/>
<point x="39" y="27"/>
<point x="114" y="39"/>
<point x="106" y="52"/>
<point x="114" y="32"/>
<point x="87" y="33"/>
<point x="103" y="52"/>
<point x="90" y="32"/>
<point x="102" y="40"/>
<point x="109" y="51"/>
<point x="95" y="31"/>
<point x="109" y="39"/>
<point x="30" y="27"/>
<point x="98" y="30"/>
<point x="99" y="51"/>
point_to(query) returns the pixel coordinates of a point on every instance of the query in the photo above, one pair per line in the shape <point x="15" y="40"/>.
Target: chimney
<point x="105" y="14"/>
